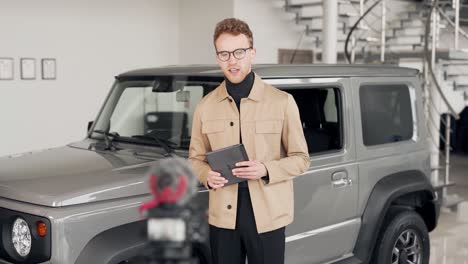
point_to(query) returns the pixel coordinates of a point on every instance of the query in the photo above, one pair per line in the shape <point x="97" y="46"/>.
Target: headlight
<point x="21" y="237"/>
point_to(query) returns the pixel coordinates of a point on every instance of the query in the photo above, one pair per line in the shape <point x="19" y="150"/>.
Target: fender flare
<point x="384" y="193"/>
<point x="115" y="245"/>
<point x="124" y="242"/>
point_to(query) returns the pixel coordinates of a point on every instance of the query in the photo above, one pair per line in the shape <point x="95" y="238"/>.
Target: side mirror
<point x="90" y="124"/>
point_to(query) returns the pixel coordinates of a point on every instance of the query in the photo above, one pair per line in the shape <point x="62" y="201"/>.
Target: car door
<point x="326" y="224"/>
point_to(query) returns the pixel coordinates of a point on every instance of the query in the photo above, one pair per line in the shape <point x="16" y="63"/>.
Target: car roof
<point x="271" y="71"/>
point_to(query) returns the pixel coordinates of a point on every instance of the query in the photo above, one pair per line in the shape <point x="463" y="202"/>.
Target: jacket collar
<point x="256" y="94"/>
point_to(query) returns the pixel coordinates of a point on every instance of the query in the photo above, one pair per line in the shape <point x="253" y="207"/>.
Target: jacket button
<point x="232" y="123"/>
<point x="229" y="207"/>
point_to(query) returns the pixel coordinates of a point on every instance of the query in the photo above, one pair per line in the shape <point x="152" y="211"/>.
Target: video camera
<point x="177" y="226"/>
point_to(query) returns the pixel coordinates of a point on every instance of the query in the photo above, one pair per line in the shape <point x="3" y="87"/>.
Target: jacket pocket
<point x="268" y="139"/>
<point x="268" y="127"/>
<point x="213" y="126"/>
<point x="279" y="198"/>
<point x="215" y="131"/>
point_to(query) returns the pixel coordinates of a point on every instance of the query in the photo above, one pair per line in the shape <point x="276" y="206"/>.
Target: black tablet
<point x="224" y="161"/>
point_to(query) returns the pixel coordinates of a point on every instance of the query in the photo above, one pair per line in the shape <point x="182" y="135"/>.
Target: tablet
<point x="224" y="161"/>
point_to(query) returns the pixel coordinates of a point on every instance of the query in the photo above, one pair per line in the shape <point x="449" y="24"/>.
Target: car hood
<point x="68" y="176"/>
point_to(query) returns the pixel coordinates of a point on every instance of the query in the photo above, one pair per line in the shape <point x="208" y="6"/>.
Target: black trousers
<point x="232" y="246"/>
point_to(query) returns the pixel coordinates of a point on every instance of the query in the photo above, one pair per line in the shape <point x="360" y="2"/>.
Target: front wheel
<point x="403" y="239"/>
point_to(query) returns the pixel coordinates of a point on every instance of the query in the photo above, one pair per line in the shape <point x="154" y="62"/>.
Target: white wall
<point x="197" y="21"/>
<point x="92" y="42"/>
<point x="271" y="28"/>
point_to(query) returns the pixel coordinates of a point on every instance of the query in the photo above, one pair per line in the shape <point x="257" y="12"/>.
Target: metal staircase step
<point x="458" y="54"/>
<point x="451" y="201"/>
<point x="404" y="23"/>
<point x="299" y="2"/>
<point x="314" y="2"/>
<point x="409" y="5"/>
<point x="460" y="87"/>
<point x="349" y="1"/>
<point x="344" y="26"/>
<point x="313" y="12"/>
<point x="415" y="63"/>
<point x="454" y="68"/>
<point x="299" y="6"/>
<point x="406" y="39"/>
<point x="362" y="40"/>
<point x="414" y="15"/>
<point x="396" y="55"/>
<point x="450" y="74"/>
<point x="442" y="185"/>
<point x="398" y="47"/>
<point x="409" y="22"/>
<point x="454" y="63"/>
<point x="341" y="17"/>
<point x="317" y="32"/>
<point x="408" y="31"/>
<point x="459" y="79"/>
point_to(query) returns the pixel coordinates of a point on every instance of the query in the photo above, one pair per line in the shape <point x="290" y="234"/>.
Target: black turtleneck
<point x="240" y="90"/>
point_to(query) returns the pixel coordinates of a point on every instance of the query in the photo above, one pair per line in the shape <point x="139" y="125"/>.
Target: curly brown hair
<point x="233" y="26"/>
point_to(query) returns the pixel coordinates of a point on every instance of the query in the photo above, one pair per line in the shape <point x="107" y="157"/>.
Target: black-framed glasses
<point x="237" y="53"/>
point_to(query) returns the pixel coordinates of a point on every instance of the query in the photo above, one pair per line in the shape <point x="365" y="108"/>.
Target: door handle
<point x="341" y="179"/>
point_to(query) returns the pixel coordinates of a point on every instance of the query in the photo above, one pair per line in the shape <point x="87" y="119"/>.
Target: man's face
<point x="235" y="69"/>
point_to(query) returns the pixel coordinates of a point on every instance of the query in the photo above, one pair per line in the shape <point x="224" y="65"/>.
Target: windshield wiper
<point x="108" y="138"/>
<point x="167" y="145"/>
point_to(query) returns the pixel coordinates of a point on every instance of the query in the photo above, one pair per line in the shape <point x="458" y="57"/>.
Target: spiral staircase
<point x="425" y="35"/>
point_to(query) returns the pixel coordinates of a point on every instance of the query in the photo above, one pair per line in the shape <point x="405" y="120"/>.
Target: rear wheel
<point x="403" y="239"/>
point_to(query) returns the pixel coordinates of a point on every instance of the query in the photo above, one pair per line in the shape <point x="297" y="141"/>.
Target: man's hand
<point x="252" y="170"/>
<point x="215" y="180"/>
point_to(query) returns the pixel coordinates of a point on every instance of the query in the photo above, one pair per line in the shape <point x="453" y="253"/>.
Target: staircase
<point x="400" y="39"/>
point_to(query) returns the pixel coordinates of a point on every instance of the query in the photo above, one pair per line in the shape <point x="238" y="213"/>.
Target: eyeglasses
<point x="237" y="53"/>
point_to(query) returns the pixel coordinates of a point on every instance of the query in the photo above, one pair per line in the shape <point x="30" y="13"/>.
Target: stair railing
<point x="454" y="25"/>
<point x="456" y="6"/>
<point x="356" y="24"/>
<point x="430" y="60"/>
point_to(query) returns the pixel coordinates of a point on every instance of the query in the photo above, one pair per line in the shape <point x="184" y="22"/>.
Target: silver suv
<point x="366" y="198"/>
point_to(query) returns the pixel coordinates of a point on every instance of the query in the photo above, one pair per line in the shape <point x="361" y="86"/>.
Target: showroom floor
<point x="449" y="242"/>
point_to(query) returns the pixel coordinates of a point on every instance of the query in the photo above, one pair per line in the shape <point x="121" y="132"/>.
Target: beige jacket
<point x="271" y="133"/>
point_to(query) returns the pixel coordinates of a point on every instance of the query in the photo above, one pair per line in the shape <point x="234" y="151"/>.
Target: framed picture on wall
<point x="6" y="69"/>
<point x="28" y="68"/>
<point x="49" y="69"/>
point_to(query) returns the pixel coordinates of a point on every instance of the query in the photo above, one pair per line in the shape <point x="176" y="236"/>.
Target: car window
<point x="141" y="111"/>
<point x="386" y="113"/>
<point x="320" y="112"/>
<point x="161" y="107"/>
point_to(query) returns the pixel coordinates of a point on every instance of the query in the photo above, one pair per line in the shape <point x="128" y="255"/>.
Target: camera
<point x="177" y="228"/>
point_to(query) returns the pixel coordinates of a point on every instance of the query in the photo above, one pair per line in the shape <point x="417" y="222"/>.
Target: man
<point x="249" y="218"/>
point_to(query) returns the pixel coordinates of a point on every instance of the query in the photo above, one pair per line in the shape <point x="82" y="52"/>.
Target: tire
<point x="403" y="239"/>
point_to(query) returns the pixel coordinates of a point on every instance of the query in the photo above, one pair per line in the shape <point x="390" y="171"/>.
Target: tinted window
<point x="386" y="114"/>
<point x="320" y="111"/>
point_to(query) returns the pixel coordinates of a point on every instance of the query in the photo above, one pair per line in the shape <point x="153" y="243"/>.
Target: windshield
<point x="153" y="110"/>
